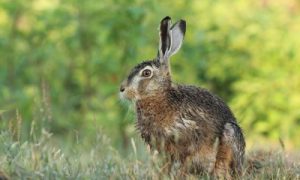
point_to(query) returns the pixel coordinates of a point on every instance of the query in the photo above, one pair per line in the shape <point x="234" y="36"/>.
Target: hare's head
<point x="151" y="77"/>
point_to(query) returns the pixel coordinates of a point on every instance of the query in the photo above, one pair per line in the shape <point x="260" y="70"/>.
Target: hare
<point x="195" y="129"/>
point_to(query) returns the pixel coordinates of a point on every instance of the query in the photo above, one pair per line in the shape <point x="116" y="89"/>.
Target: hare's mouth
<point x="127" y="94"/>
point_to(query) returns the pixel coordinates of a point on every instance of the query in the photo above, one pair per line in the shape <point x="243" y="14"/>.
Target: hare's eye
<point x="146" y="73"/>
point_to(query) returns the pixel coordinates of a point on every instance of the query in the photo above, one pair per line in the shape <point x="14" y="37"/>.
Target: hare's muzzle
<point x="122" y="88"/>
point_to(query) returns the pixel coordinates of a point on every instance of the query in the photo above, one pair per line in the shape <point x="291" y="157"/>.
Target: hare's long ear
<point x="177" y="35"/>
<point x="165" y="39"/>
<point x="171" y="38"/>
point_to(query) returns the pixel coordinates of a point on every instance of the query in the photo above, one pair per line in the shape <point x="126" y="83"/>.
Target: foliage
<point x="62" y="62"/>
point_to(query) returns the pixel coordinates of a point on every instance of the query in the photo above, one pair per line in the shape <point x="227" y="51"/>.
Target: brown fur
<point x="224" y="159"/>
<point x="155" y="115"/>
<point x="191" y="126"/>
<point x="159" y="114"/>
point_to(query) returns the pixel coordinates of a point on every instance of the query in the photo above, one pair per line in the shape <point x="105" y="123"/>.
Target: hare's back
<point x="195" y="101"/>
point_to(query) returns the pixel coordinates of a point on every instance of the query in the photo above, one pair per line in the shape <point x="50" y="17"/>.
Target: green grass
<point x="46" y="157"/>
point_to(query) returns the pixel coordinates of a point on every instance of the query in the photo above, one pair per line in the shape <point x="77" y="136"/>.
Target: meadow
<point x="62" y="62"/>
<point x="46" y="157"/>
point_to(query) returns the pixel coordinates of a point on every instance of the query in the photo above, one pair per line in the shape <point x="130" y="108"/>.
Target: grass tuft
<point x="44" y="158"/>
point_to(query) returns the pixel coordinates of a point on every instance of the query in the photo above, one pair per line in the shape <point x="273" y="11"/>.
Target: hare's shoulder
<point x="194" y="95"/>
<point x="190" y="97"/>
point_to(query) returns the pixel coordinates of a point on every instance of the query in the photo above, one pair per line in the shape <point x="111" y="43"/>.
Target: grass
<point x="43" y="157"/>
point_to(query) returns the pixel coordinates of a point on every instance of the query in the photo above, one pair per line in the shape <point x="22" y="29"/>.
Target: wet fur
<point x="185" y="122"/>
<point x="191" y="126"/>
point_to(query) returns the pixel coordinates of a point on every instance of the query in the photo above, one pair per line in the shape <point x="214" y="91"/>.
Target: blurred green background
<point x="61" y="63"/>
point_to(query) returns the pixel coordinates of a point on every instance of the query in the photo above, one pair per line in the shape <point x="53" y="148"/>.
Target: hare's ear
<point x="165" y="39"/>
<point x="177" y="35"/>
<point x="171" y="38"/>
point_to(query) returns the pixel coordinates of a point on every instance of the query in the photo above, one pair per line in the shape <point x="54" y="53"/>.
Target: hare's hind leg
<point x="230" y="155"/>
<point x="223" y="160"/>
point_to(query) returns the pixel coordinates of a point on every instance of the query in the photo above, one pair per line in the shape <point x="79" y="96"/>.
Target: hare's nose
<point x="122" y="89"/>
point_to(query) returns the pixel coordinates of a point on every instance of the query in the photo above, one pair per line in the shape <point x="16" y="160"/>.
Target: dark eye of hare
<point x="146" y="73"/>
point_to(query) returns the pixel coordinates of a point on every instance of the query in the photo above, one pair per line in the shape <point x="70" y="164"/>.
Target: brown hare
<point x="195" y="129"/>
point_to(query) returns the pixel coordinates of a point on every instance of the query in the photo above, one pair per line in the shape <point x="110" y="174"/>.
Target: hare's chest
<point x="153" y="125"/>
<point x="164" y="138"/>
